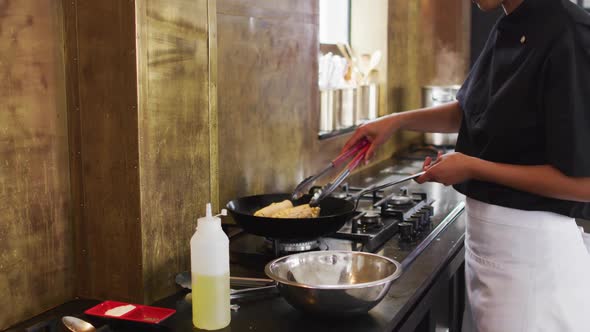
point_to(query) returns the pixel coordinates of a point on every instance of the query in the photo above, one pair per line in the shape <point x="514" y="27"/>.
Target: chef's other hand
<point x="377" y="132"/>
<point x="428" y="161"/>
<point x="448" y="169"/>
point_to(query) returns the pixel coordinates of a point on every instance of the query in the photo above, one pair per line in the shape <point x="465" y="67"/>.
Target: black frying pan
<point x="333" y="214"/>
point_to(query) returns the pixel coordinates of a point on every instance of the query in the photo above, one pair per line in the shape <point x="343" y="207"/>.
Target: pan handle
<point x="371" y="189"/>
<point x="183" y="279"/>
<point x="245" y="293"/>
<point x="257" y="287"/>
<point x="375" y="188"/>
<point x="250" y="282"/>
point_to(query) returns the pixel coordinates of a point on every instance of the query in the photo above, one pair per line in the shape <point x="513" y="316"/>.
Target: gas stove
<point x="402" y="220"/>
<point x="382" y="216"/>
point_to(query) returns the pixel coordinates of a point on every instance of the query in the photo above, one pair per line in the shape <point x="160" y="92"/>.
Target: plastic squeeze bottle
<point x="210" y="273"/>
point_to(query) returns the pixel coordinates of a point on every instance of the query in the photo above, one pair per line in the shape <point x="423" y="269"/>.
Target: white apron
<point x="525" y="271"/>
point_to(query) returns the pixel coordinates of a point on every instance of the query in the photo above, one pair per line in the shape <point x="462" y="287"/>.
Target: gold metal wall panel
<point x="36" y="251"/>
<point x="174" y="135"/>
<point x="109" y="234"/>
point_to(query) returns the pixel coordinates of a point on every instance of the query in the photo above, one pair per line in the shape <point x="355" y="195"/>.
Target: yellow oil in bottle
<point x="211" y="302"/>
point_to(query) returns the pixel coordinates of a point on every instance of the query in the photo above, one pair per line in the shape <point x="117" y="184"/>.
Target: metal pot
<point x="433" y="95"/>
<point x="333" y="283"/>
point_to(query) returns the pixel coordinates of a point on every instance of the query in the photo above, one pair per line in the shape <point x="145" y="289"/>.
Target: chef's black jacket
<point x="526" y="101"/>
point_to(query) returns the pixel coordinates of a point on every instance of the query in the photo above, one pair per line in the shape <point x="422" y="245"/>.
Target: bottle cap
<point x="208" y="213"/>
<point x="209" y="217"/>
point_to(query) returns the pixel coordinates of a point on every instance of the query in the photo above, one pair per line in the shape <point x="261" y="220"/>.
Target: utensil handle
<point x="250" y="282"/>
<point x="253" y="292"/>
<point x="346" y="154"/>
<point x="363" y="143"/>
<point x="375" y="188"/>
<point x="358" y="158"/>
<point x="331" y="186"/>
<point x="388" y="197"/>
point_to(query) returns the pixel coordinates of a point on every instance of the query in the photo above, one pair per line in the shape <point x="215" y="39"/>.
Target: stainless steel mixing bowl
<point x="333" y="282"/>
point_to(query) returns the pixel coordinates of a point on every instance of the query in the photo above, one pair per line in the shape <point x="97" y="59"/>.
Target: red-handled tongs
<point x="302" y="187"/>
<point x="332" y="185"/>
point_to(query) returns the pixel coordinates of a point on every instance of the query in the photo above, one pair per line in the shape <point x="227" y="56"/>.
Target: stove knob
<point x="426" y="223"/>
<point x="430" y="210"/>
<point x="426" y="219"/>
<point x="415" y="222"/>
<point x="421" y="216"/>
<point x="406" y="231"/>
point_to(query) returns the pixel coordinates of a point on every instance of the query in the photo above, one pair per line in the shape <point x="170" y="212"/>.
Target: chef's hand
<point x="448" y="169"/>
<point x="377" y="132"/>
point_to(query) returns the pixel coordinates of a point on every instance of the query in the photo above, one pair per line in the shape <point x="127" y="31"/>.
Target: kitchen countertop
<point x="399" y="309"/>
<point x="402" y="308"/>
<point x="275" y="314"/>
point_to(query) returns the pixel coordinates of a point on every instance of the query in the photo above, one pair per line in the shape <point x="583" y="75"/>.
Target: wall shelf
<point x="335" y="133"/>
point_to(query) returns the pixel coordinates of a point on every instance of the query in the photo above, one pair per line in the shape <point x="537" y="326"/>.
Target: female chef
<point x="523" y="161"/>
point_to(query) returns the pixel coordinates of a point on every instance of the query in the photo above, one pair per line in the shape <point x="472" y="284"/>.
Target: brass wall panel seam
<point x="74" y="141"/>
<point x="113" y="154"/>
<point x="213" y="109"/>
<point x="140" y="95"/>
<point x="70" y="208"/>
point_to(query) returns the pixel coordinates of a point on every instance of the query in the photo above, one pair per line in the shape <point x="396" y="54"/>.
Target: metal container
<point x="433" y="95"/>
<point x="337" y="109"/>
<point x="367" y="103"/>
<point x="344" y="109"/>
<point x="333" y="283"/>
<point x="327" y="110"/>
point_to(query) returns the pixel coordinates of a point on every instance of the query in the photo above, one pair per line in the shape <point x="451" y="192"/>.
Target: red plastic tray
<point x="141" y="313"/>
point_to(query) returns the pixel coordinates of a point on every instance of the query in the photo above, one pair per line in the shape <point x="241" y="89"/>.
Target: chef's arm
<point x="445" y="118"/>
<point x="544" y="180"/>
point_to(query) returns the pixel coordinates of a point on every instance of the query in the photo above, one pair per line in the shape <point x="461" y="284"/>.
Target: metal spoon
<point x="77" y="325"/>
